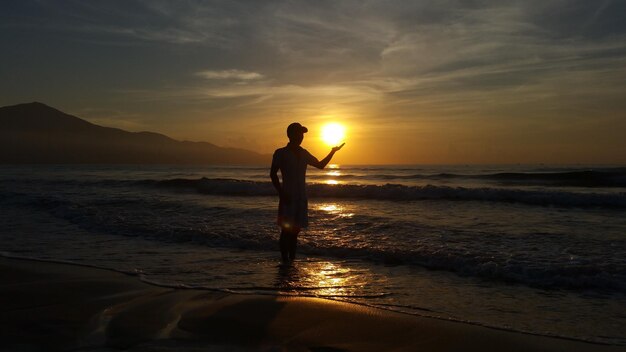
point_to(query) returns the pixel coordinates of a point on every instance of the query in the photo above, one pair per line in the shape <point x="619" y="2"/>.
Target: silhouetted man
<point x="292" y="161"/>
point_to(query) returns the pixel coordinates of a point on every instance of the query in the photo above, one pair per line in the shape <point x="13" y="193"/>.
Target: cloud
<point x="230" y="74"/>
<point x="151" y="21"/>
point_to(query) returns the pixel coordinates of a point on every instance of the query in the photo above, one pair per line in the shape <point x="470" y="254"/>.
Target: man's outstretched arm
<point x="320" y="164"/>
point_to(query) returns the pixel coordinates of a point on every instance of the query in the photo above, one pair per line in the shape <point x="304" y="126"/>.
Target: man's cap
<point x="296" y="128"/>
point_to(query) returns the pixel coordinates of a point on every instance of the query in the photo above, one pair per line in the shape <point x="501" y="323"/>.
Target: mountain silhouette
<point x="36" y="133"/>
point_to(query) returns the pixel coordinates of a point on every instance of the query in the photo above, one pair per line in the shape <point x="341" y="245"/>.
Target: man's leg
<point x="293" y="243"/>
<point x="284" y="245"/>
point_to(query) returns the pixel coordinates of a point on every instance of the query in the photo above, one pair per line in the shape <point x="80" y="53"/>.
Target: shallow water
<point x="530" y="248"/>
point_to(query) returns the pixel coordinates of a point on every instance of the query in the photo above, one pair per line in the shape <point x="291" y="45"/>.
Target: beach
<point x="51" y="306"/>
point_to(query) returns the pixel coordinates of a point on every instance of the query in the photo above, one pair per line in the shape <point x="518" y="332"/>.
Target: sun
<point x="333" y="133"/>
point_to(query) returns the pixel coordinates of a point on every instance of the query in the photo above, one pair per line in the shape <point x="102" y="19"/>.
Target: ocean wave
<point x="610" y="178"/>
<point x="502" y="261"/>
<point x="544" y="274"/>
<point x="585" y="178"/>
<point x="232" y="187"/>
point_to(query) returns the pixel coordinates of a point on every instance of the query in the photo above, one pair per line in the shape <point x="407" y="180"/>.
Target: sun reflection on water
<point x="333" y="171"/>
<point x="330" y="207"/>
<point x="323" y="279"/>
<point x="332" y="280"/>
<point x="335" y="209"/>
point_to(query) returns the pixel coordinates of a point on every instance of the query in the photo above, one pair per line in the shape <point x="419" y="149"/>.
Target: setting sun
<point x="333" y="133"/>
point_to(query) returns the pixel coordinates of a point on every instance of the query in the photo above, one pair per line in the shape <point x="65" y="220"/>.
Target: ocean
<point x="538" y="249"/>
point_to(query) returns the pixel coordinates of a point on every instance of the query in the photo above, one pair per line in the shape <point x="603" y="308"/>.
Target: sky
<point x="414" y="82"/>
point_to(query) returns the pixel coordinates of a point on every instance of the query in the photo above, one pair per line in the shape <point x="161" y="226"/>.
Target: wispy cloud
<point x="230" y="74"/>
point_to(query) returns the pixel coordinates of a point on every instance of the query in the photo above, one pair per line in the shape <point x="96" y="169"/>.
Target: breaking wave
<point x="394" y="192"/>
<point x="610" y="178"/>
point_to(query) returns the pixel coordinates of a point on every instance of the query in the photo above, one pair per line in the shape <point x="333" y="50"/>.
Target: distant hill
<point x="37" y="133"/>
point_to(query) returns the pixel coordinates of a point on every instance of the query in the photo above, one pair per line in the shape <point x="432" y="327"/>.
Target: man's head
<point x="296" y="132"/>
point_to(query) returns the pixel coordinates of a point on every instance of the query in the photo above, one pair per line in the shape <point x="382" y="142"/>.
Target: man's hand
<point x="338" y="148"/>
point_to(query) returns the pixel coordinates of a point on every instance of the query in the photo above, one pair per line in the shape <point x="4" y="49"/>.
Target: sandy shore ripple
<point x="60" y="307"/>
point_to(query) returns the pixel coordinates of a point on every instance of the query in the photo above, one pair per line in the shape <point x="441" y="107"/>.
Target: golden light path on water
<point x="324" y="278"/>
<point x="331" y="279"/>
<point x="321" y="279"/>
<point x="334" y="209"/>
<point x="333" y="171"/>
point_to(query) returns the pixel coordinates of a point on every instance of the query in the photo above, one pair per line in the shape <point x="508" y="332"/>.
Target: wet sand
<point x="51" y="307"/>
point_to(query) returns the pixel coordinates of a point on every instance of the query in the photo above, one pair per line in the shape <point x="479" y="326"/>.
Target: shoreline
<point x="63" y="306"/>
